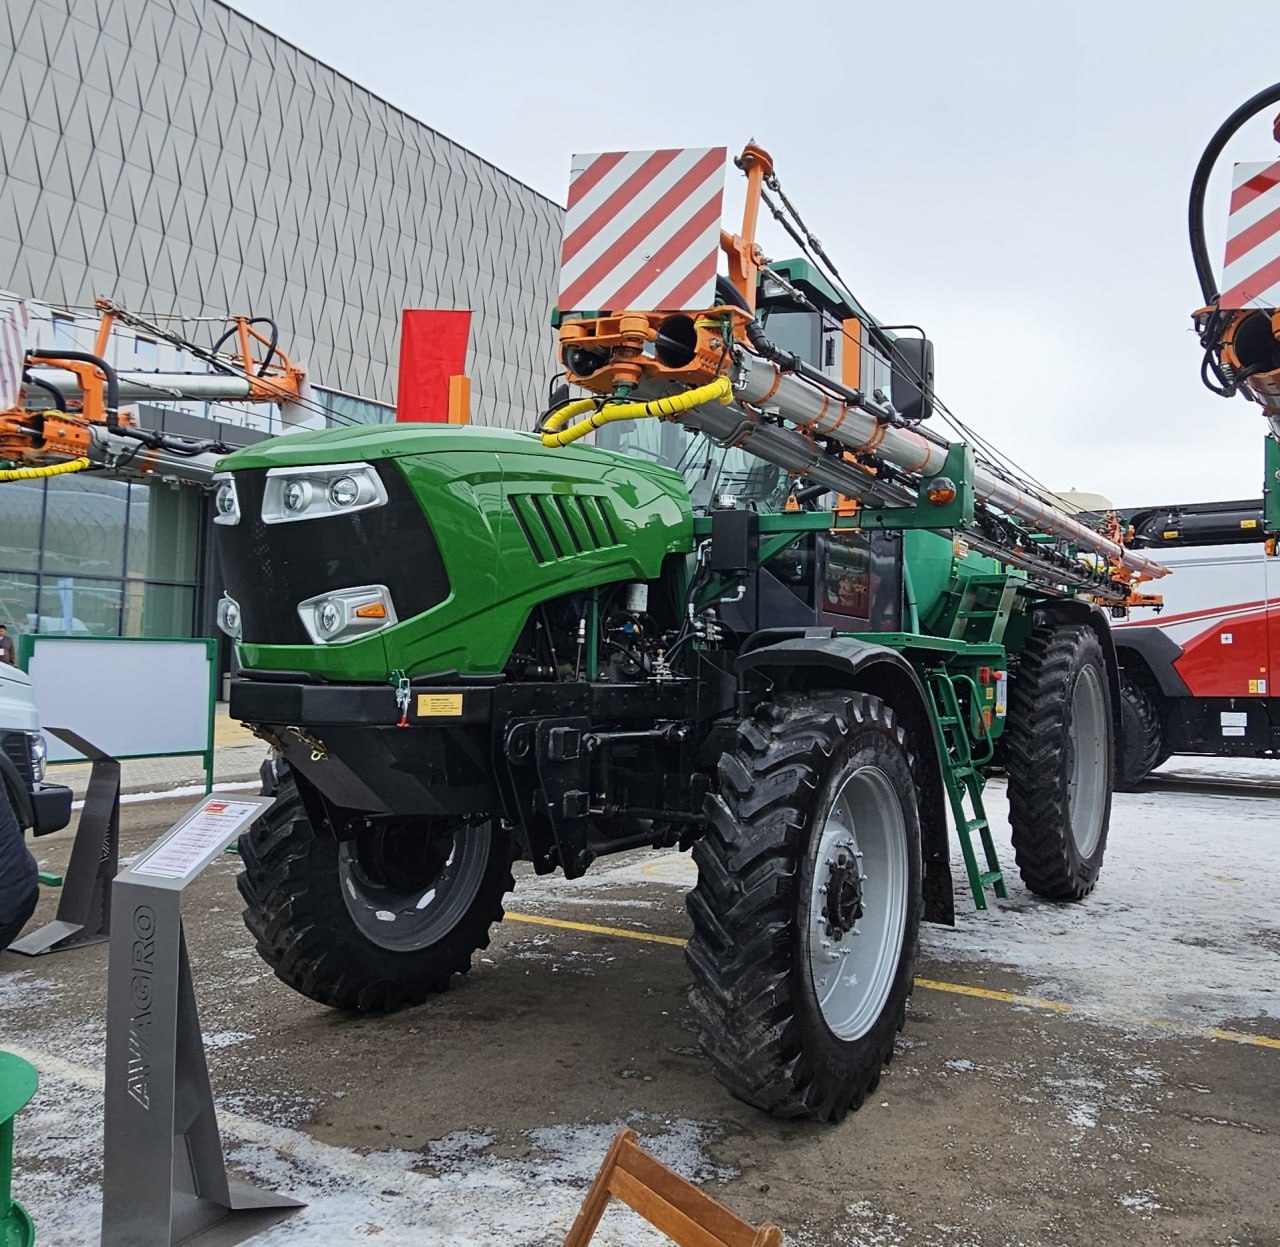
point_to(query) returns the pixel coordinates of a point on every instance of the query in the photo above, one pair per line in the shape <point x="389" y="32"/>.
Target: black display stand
<point x="84" y="905"/>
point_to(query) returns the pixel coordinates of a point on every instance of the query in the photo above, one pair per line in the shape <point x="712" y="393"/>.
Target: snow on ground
<point x="1230" y="770"/>
<point x="454" y="1191"/>
<point x="187" y="790"/>
<point x="1184" y="924"/>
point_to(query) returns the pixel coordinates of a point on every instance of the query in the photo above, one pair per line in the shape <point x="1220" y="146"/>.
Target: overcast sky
<point x="1012" y="176"/>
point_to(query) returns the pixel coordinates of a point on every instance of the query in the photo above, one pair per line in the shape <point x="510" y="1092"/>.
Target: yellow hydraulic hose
<point x="554" y="434"/>
<point x="52" y="469"/>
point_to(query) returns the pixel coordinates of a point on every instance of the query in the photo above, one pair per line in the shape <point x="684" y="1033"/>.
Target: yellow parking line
<point x="990" y="993"/>
<point x="955" y="989"/>
<point x="1059" y="1006"/>
<point x="1262" y="1041"/>
<point x="597" y="930"/>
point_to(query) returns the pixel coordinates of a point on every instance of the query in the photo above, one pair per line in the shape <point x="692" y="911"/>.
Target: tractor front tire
<point x="807" y="909"/>
<point x="1141" y="745"/>
<point x="340" y="923"/>
<point x="1059" y="754"/>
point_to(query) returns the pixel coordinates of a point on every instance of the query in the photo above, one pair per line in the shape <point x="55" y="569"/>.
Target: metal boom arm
<point x="748" y="394"/>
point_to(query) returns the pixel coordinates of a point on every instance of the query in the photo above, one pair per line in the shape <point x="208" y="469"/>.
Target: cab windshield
<point x="710" y="471"/>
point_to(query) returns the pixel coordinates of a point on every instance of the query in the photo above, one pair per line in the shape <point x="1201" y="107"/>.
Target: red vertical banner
<point x="433" y="348"/>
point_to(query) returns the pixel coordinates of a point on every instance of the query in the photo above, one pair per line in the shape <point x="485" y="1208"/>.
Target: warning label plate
<point x="439" y="705"/>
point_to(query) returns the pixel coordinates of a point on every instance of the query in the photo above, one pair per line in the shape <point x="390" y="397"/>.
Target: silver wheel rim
<point x="852" y="970"/>
<point x="407" y="920"/>
<point x="1087" y="788"/>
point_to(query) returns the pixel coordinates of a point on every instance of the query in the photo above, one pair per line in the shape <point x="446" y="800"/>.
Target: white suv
<point x="39" y="806"/>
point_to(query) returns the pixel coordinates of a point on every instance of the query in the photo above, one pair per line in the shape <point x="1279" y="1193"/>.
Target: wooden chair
<point x="666" y="1200"/>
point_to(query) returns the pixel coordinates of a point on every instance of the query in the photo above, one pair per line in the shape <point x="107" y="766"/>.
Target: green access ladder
<point x="978" y="611"/>
<point x="18" y="1082"/>
<point x="964" y="782"/>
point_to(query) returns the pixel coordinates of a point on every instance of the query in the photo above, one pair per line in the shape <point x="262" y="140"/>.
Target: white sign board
<point x="1251" y="273"/>
<point x="131" y="698"/>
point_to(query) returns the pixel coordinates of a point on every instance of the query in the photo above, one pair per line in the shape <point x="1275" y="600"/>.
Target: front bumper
<point x="349" y="742"/>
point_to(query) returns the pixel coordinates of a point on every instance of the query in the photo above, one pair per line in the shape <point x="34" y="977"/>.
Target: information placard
<point x="197" y="840"/>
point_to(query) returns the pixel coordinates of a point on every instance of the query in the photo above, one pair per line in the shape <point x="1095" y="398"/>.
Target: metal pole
<point x="760" y="382"/>
<point x="156" y="385"/>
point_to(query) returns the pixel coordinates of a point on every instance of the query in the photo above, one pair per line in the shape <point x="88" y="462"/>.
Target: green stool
<point x="18" y="1082"/>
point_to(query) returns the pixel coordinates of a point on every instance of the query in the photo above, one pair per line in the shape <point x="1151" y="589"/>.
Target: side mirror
<point x="911" y="385"/>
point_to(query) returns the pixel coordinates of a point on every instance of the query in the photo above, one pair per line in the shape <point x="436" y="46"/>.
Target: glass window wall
<point x="87" y="555"/>
<point x="346" y="409"/>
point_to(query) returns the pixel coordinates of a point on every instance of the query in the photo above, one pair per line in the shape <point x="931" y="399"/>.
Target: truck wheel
<point x="1141" y="744"/>
<point x="1058" y="751"/>
<point x="807" y="908"/>
<point x="373" y="924"/>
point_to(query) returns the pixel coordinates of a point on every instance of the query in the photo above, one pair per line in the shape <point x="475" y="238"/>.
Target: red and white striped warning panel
<point x="1251" y="276"/>
<point x="15" y="332"/>
<point x="642" y="230"/>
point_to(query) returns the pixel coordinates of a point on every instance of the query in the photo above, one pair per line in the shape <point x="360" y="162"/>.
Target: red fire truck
<point x="1200" y="678"/>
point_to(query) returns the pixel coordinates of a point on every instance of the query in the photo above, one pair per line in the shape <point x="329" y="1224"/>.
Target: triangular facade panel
<point x="173" y="154"/>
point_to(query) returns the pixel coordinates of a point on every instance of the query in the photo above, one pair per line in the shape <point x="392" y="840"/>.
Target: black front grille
<point x="17" y="748"/>
<point x="269" y="568"/>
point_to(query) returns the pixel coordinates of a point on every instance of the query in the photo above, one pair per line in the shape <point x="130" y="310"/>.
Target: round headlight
<point x="296" y="495"/>
<point x="345" y="491"/>
<point x="329" y="617"/>
<point x="225" y="499"/>
<point x="231" y="616"/>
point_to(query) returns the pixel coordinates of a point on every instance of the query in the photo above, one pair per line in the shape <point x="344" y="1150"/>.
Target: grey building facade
<point x="180" y="159"/>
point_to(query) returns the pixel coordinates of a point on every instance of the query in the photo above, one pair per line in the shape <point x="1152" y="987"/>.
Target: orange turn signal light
<point x="940" y="491"/>
<point x="372" y="610"/>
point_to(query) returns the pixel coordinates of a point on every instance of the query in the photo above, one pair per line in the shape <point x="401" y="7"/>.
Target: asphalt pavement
<point x="1099" y="1073"/>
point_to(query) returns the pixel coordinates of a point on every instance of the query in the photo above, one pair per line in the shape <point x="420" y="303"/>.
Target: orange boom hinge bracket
<point x="741" y="249"/>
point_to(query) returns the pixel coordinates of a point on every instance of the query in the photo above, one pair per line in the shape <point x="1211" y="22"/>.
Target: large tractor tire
<point x="807" y="908"/>
<point x="1141" y="745"/>
<point x="374" y="924"/>
<point x="1059" y="757"/>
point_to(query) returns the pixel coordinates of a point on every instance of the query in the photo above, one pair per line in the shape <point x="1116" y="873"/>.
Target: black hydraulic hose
<point x="1200" y="184"/>
<point x="788" y="361"/>
<point x="184" y="446"/>
<point x="272" y="342"/>
<point x="112" y="404"/>
<point x="58" y="401"/>
<point x="727" y="292"/>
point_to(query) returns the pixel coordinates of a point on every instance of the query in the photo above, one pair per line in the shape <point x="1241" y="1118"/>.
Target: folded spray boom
<point x="715" y="370"/>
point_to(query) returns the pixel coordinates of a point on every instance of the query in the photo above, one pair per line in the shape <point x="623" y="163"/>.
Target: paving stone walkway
<point x="237" y="756"/>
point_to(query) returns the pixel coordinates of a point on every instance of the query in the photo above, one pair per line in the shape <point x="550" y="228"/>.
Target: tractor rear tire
<point x="801" y="968"/>
<point x="1059" y="752"/>
<point x="358" y="939"/>
<point x="1141" y="745"/>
